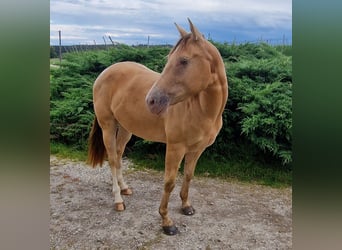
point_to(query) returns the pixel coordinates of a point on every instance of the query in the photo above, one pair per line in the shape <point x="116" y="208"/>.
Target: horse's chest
<point x="195" y="131"/>
<point x="199" y="137"/>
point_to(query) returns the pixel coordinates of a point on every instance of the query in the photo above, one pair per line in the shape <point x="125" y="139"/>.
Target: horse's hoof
<point x="188" y="210"/>
<point x="120" y="206"/>
<point x="170" y="230"/>
<point x="126" y="191"/>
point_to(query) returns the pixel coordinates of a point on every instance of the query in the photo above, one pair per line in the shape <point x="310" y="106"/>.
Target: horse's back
<point x="118" y="78"/>
<point x="122" y="73"/>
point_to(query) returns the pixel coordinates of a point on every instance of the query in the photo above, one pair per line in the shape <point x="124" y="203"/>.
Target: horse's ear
<point x="197" y="35"/>
<point x="182" y="32"/>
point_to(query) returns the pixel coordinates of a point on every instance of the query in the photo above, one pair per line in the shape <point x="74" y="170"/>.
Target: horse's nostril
<point x="151" y="102"/>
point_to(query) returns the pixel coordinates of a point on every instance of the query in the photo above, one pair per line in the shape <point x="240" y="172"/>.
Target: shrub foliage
<point x="257" y="117"/>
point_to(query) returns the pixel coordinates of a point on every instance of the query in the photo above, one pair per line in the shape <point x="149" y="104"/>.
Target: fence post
<point x="111" y="40"/>
<point x="60" y="47"/>
<point x="105" y="42"/>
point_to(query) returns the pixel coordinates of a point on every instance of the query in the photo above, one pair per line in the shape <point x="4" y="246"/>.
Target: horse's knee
<point x="169" y="185"/>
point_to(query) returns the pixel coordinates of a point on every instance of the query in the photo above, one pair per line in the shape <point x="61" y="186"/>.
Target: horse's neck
<point x="213" y="99"/>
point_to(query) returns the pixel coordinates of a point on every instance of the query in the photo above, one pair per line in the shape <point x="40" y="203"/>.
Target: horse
<point x="182" y="107"/>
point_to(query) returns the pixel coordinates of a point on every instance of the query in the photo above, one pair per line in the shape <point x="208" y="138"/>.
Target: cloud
<point x="131" y="20"/>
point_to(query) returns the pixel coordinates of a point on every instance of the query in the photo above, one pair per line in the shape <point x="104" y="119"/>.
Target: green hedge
<point x="257" y="117"/>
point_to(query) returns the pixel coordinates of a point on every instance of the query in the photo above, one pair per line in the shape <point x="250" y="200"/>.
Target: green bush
<point x="266" y="119"/>
<point x="257" y="116"/>
<point x="259" y="107"/>
<point x="53" y="53"/>
<point x="71" y="110"/>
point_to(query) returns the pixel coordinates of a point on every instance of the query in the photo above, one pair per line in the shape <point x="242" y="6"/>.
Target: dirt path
<point x="228" y="215"/>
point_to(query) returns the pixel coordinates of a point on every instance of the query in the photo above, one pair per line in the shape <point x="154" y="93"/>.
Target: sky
<point x="136" y="22"/>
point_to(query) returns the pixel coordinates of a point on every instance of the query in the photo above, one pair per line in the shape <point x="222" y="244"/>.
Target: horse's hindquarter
<point x="126" y="85"/>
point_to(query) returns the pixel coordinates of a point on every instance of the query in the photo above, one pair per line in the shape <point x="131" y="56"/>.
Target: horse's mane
<point x="181" y="42"/>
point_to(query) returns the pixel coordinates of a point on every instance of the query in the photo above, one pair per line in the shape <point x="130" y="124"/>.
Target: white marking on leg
<point x="116" y="188"/>
<point x="121" y="180"/>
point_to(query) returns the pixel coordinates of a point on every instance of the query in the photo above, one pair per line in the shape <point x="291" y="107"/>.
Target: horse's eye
<point x="184" y="61"/>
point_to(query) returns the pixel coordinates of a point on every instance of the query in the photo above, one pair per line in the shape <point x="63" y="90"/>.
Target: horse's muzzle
<point x="157" y="101"/>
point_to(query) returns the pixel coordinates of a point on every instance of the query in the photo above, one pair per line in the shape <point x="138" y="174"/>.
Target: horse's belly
<point x="149" y="134"/>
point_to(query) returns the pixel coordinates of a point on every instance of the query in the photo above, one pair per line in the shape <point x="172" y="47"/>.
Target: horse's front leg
<point x="173" y="158"/>
<point x="189" y="169"/>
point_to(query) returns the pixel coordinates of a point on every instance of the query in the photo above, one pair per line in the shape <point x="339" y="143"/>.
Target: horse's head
<point x="187" y="72"/>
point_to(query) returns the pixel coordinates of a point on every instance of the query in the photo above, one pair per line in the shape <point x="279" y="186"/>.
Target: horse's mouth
<point x="160" y="110"/>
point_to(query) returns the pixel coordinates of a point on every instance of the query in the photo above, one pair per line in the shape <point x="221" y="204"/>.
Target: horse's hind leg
<point x="191" y="159"/>
<point x="109" y="131"/>
<point x="122" y="137"/>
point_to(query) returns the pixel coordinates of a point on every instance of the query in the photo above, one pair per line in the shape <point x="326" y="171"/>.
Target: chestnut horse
<point x="181" y="107"/>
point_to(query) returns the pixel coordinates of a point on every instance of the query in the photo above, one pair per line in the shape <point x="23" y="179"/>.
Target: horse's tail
<point x="96" y="147"/>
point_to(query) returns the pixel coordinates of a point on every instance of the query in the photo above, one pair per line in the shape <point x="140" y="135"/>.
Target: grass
<point x="54" y="61"/>
<point x="67" y="152"/>
<point x="247" y="171"/>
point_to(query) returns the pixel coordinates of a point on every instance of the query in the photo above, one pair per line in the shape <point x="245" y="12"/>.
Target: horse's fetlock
<point x="183" y="195"/>
<point x="162" y="212"/>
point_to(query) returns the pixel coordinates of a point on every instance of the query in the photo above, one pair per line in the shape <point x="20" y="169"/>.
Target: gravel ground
<point x="229" y="215"/>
